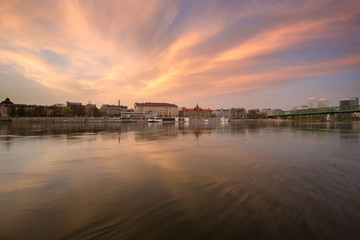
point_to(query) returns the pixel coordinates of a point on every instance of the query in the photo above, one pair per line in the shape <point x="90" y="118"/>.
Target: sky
<point x="218" y="53"/>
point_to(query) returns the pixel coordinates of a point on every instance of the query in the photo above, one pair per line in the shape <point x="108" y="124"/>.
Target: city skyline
<point x="311" y="103"/>
<point x="218" y="53"/>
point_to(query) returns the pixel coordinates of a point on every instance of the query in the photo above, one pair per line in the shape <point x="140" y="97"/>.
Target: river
<point x="238" y="180"/>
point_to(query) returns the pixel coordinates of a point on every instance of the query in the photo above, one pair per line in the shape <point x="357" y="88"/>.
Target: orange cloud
<point x="161" y="51"/>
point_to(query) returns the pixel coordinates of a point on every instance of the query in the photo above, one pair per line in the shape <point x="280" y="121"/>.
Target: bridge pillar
<point x="330" y="117"/>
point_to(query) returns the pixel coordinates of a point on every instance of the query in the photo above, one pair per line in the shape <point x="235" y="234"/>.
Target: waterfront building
<point x="60" y="105"/>
<point x="323" y="103"/>
<point x="312" y="103"/>
<point x="133" y="115"/>
<point x="161" y="109"/>
<point x="265" y="112"/>
<point x="317" y="103"/>
<point x="113" y="110"/>
<point x="222" y="113"/>
<point x="91" y="110"/>
<point x="72" y="104"/>
<point x="195" y="112"/>
<point x="4" y="106"/>
<point x="9" y="109"/>
<point x="301" y="107"/>
<point x="351" y="101"/>
<point x="75" y="109"/>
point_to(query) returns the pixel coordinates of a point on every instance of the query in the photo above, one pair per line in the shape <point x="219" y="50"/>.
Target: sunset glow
<point x="217" y="53"/>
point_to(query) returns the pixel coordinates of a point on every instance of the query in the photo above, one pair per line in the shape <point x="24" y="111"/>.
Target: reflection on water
<point x="251" y="180"/>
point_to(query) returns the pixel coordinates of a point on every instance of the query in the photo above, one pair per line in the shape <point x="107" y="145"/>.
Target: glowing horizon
<point x="220" y="53"/>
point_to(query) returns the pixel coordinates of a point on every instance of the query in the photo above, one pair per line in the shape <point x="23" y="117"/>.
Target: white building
<point x="221" y="113"/>
<point x="323" y="103"/>
<point x="161" y="109"/>
<point x="312" y="103"/>
<point x="113" y="110"/>
<point x="301" y="107"/>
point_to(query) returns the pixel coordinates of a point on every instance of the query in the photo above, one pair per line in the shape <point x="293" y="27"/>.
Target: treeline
<point x="20" y="110"/>
<point x="241" y="113"/>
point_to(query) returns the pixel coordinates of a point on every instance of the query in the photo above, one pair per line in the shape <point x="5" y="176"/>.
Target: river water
<point x="240" y="180"/>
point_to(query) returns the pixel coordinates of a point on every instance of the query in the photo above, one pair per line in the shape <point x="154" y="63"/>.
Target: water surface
<point x="241" y="180"/>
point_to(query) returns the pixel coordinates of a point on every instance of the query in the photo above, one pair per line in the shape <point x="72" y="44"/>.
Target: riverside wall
<point x="68" y="120"/>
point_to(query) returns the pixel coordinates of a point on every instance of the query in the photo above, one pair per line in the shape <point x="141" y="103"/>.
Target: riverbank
<point x="70" y="120"/>
<point x="116" y="120"/>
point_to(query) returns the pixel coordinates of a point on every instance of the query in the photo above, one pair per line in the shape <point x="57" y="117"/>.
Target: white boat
<point x="154" y="120"/>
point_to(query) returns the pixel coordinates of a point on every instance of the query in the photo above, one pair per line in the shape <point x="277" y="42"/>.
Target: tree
<point x="66" y="112"/>
<point x="98" y="113"/>
<point x="56" y="111"/>
<point x="93" y="111"/>
<point x="78" y="110"/>
<point x="237" y="113"/>
<point x="253" y="113"/>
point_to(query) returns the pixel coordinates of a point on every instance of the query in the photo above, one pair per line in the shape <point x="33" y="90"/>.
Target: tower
<point x="312" y="103"/>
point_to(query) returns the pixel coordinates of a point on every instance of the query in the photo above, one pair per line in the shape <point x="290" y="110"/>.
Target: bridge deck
<point x="317" y="111"/>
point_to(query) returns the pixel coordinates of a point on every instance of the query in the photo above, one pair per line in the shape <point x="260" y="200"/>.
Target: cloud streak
<point x="171" y="51"/>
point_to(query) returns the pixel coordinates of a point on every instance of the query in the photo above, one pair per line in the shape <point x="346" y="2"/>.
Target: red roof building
<point x="195" y="112"/>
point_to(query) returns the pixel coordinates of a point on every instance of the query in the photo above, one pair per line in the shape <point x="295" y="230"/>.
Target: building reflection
<point x="153" y="131"/>
<point x="163" y="175"/>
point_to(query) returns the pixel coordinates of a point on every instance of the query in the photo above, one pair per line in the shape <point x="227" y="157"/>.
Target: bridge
<point x="317" y="111"/>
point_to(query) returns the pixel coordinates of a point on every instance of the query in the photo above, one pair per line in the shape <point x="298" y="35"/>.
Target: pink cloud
<point x="155" y="50"/>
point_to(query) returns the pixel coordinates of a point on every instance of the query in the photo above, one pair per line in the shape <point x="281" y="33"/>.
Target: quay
<point x="191" y="120"/>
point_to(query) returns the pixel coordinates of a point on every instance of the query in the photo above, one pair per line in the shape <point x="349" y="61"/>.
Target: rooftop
<point x="197" y="108"/>
<point x="156" y="104"/>
<point x="112" y="106"/>
<point x="7" y="102"/>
